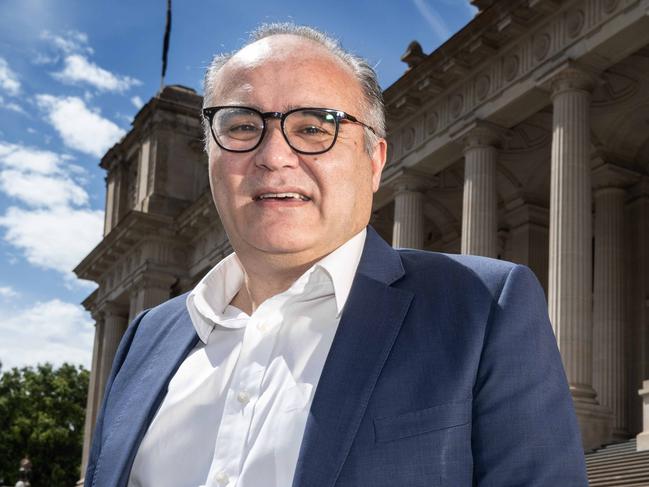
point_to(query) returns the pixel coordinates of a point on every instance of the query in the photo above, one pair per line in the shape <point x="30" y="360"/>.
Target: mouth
<point x="281" y="197"/>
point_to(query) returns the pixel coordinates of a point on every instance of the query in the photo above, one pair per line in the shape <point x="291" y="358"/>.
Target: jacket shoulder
<point x="455" y="270"/>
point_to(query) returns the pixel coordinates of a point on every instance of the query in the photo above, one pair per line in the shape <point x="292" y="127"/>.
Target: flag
<point x="165" y="44"/>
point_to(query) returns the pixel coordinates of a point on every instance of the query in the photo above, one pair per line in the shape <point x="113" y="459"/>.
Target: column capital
<point x="411" y="180"/>
<point x="152" y="279"/>
<point x="608" y="175"/>
<point x="110" y="308"/>
<point x="480" y="133"/>
<point x="568" y="76"/>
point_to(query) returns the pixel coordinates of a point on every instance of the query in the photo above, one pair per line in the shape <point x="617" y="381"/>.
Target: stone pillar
<point x="637" y="264"/>
<point x="480" y="201"/>
<point x="92" y="402"/>
<point x="608" y="306"/>
<point x="570" y="253"/>
<point x="528" y="237"/>
<point x="643" y="438"/>
<point x="149" y="290"/>
<point x="610" y="294"/>
<point x="115" y="322"/>
<point x="408" y="228"/>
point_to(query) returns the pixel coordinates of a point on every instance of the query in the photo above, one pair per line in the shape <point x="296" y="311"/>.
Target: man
<point x="316" y="355"/>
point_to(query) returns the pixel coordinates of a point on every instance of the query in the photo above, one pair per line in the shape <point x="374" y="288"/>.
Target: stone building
<point x="524" y="137"/>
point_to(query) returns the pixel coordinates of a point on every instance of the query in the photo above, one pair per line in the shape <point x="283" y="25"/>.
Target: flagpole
<point x="165" y="44"/>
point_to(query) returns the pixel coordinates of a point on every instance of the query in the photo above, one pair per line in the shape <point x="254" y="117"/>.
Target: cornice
<point x="427" y="103"/>
<point x="130" y="231"/>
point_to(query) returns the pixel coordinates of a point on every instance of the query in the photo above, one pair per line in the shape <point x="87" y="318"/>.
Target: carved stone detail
<point x="574" y="22"/>
<point x="541" y="46"/>
<point x="432" y="123"/>
<point x="409" y="136"/>
<point x="482" y="86"/>
<point x="510" y="67"/>
<point x="608" y="6"/>
<point x="456" y="105"/>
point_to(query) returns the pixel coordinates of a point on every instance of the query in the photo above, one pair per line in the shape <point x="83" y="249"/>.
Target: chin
<point x="283" y="245"/>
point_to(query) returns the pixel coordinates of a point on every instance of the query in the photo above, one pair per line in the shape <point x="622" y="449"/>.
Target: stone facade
<point x="523" y="137"/>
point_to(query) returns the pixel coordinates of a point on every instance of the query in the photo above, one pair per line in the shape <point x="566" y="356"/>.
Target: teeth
<point x="295" y="196"/>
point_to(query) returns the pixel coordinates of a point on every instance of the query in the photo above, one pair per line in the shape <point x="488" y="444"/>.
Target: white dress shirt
<point x="235" y="411"/>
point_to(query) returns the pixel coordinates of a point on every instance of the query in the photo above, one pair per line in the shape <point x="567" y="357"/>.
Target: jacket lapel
<point x="369" y="325"/>
<point x="138" y="389"/>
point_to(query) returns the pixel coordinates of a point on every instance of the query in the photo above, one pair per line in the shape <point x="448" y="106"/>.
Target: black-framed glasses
<point x="306" y="130"/>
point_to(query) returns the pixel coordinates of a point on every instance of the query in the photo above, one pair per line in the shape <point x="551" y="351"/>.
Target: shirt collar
<point x="341" y="266"/>
<point x="208" y="301"/>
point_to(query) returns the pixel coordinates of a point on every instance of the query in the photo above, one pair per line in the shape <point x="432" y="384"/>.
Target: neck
<point x="263" y="280"/>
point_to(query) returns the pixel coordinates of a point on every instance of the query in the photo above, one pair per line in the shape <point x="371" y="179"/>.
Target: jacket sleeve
<point x="524" y="431"/>
<point x="120" y="356"/>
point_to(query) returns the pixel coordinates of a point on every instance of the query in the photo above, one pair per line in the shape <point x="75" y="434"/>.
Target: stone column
<point x="610" y="294"/>
<point x="637" y="225"/>
<point x="480" y="201"/>
<point x="150" y="289"/>
<point x="408" y="228"/>
<point x="92" y="402"/>
<point x="115" y="322"/>
<point x="528" y="237"/>
<point x="570" y="255"/>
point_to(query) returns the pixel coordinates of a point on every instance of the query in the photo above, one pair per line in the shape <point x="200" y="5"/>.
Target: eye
<point x="312" y="130"/>
<point x="244" y="127"/>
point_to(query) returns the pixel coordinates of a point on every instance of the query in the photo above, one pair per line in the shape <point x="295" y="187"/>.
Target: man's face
<point x="278" y="74"/>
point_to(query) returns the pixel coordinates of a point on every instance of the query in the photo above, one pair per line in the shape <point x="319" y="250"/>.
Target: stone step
<point x="618" y="465"/>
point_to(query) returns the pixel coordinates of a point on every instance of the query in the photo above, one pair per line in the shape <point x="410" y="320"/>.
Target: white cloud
<point x="8" y="79"/>
<point x="39" y="190"/>
<point x="52" y="331"/>
<point x="41" y="59"/>
<point x="137" y="102"/>
<point x="8" y="292"/>
<point x="79" y="127"/>
<point x="78" y="69"/>
<point x="11" y="106"/>
<point x="54" y="238"/>
<point x="29" y="159"/>
<point x="69" y="42"/>
<point x="57" y="229"/>
<point x="434" y="19"/>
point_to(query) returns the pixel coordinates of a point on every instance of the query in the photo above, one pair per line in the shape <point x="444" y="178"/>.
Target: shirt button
<point x="243" y="397"/>
<point x="222" y="478"/>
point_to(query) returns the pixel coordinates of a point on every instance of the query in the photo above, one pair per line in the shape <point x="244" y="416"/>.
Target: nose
<point x="274" y="152"/>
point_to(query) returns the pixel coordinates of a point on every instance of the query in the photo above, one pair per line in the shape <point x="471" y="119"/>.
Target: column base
<point x="595" y="423"/>
<point x="642" y="441"/>
<point x="620" y="434"/>
<point x="80" y="482"/>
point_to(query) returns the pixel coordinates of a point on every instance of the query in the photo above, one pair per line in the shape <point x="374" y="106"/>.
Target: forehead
<point x="286" y="70"/>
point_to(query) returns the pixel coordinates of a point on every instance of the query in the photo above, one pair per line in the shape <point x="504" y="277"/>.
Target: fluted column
<point x="570" y="255"/>
<point x="408" y="228"/>
<point x="480" y="203"/>
<point x="609" y="378"/>
<point x="92" y="402"/>
<point x="114" y="325"/>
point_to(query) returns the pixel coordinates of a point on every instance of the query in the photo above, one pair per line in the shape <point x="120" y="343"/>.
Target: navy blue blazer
<point x="444" y="371"/>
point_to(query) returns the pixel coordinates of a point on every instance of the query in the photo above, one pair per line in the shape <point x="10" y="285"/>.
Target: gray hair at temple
<point x="372" y="106"/>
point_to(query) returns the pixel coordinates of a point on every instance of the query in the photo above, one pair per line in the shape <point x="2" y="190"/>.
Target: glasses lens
<point x="237" y="129"/>
<point x="310" y="130"/>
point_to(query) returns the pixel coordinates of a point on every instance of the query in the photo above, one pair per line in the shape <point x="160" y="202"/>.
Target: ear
<point x="379" y="155"/>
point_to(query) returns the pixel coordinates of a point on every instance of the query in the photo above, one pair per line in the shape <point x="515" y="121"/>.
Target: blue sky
<point x="73" y="73"/>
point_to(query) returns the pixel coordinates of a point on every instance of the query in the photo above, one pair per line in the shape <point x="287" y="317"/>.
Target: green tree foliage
<point x="41" y="416"/>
